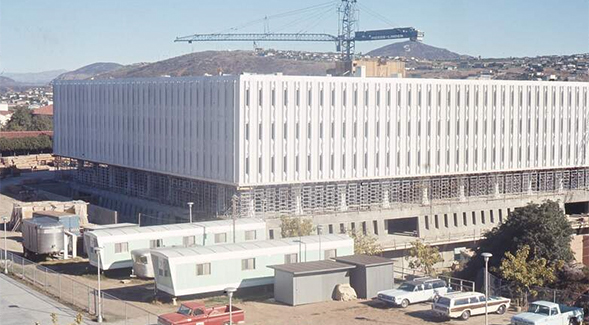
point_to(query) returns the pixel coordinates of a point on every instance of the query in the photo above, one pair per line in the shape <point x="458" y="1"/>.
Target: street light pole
<point x="319" y="233"/>
<point x="487" y="256"/>
<point x="97" y="250"/>
<point x="4" y="219"/>
<point x="229" y="291"/>
<point x="190" y="210"/>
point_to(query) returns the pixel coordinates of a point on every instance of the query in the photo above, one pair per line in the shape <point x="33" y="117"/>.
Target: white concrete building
<point x="267" y="145"/>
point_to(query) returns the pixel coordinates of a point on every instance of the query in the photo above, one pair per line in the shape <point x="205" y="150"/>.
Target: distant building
<point x="5" y="117"/>
<point x="44" y="111"/>
<point x="373" y="68"/>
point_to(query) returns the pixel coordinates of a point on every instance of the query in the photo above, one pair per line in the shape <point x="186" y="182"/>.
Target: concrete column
<point x="148" y="185"/>
<point x="129" y="181"/>
<point x="251" y="211"/>
<point x="425" y="196"/>
<point x="560" y="185"/>
<point x="298" y="204"/>
<point x="461" y="191"/>
<point x="111" y="177"/>
<point x="421" y="231"/>
<point x="343" y="206"/>
<point x="496" y="192"/>
<point x="529" y="186"/>
<point x="385" y="199"/>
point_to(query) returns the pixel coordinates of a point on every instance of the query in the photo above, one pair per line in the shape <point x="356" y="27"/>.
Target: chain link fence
<point x="73" y="293"/>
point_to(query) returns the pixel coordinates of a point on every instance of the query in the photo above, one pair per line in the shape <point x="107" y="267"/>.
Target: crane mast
<point x="345" y="41"/>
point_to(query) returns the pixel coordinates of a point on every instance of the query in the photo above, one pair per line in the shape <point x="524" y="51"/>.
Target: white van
<point x="465" y="304"/>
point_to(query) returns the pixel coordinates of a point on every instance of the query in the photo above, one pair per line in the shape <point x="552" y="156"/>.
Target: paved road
<point x="21" y="305"/>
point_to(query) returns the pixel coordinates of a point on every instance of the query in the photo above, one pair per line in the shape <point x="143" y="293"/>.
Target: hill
<point x="7" y="84"/>
<point x="35" y="78"/>
<point x="213" y="62"/>
<point x="416" y="50"/>
<point x="89" y="71"/>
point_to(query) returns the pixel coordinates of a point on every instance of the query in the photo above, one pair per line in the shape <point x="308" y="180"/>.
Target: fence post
<point x="11" y="263"/>
<point x="23" y="267"/>
<point x="59" y="284"/>
<point x="34" y="274"/>
<point x="45" y="285"/>
<point x="73" y="292"/>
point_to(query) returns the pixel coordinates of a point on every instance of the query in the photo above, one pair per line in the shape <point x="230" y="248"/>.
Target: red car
<point x="195" y="313"/>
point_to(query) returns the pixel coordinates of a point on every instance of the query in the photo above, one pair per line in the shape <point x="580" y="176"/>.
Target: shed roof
<point x="53" y="213"/>
<point x="364" y="260"/>
<point x="312" y="267"/>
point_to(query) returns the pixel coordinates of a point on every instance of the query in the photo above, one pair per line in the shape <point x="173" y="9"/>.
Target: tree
<point x="295" y="227"/>
<point x="423" y="257"/>
<point x="365" y="244"/>
<point x="41" y="123"/>
<point x="525" y="273"/>
<point x="21" y="120"/>
<point x="543" y="227"/>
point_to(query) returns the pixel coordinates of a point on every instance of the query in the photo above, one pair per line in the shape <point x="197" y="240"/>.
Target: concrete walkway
<point x="21" y="305"/>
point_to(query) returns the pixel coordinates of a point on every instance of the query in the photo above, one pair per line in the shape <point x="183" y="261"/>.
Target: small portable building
<point x="181" y="271"/>
<point x="142" y="266"/>
<point x="119" y="242"/>
<point x="309" y="282"/>
<point x="370" y="275"/>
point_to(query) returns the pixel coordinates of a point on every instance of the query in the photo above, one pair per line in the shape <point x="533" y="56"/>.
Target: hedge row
<point x="42" y="143"/>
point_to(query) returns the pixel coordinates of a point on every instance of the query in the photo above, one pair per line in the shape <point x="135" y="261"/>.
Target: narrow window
<point x="291" y="258"/>
<point x="474" y="218"/>
<point x="342" y="228"/>
<point x="329" y="254"/>
<point x="203" y="269"/>
<point x="155" y="243"/>
<point x="330" y="229"/>
<point x="436" y="221"/>
<point x="121" y="247"/>
<point x="464" y="219"/>
<point x="271" y="234"/>
<point x="427" y="222"/>
<point x="455" y="220"/>
<point x="250" y="235"/>
<point x="220" y="238"/>
<point x="248" y="264"/>
<point x="491" y="216"/>
<point x="375" y="225"/>
<point x="483" y="217"/>
<point x="446" y="220"/>
<point x="188" y="241"/>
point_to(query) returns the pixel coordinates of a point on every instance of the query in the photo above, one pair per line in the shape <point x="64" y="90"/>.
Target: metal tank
<point x="42" y="236"/>
<point x="142" y="266"/>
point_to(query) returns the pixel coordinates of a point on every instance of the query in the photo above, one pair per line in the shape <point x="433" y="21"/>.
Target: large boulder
<point x="344" y="292"/>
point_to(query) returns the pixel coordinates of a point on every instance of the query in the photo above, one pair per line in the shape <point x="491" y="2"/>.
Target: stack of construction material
<point x="25" y="210"/>
<point x="28" y="162"/>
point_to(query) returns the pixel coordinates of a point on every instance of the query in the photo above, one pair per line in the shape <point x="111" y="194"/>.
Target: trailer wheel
<point x="573" y="321"/>
<point x="465" y="315"/>
<point x="501" y="310"/>
<point x="405" y="303"/>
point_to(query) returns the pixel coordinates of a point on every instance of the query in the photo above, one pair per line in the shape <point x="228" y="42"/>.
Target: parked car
<point x="194" y="313"/>
<point x="465" y="304"/>
<point x="549" y="313"/>
<point x="415" y="291"/>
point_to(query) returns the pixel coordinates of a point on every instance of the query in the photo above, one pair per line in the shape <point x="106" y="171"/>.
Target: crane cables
<point x="301" y="11"/>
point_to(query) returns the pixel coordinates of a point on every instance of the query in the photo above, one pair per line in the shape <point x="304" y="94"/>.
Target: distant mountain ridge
<point x="89" y="71"/>
<point x="35" y="78"/>
<point x="417" y="50"/>
<point x="216" y="62"/>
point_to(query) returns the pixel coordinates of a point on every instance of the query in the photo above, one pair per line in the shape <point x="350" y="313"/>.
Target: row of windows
<point x="445" y="221"/>
<point x="187" y="241"/>
<point x="250" y="263"/>
<point x="505" y="95"/>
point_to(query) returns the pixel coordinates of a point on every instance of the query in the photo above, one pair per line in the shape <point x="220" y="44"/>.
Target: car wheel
<point x="405" y="303"/>
<point x="573" y="321"/>
<point x="501" y="310"/>
<point x="465" y="315"/>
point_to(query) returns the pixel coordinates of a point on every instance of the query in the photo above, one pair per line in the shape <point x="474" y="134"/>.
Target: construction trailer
<point x="309" y="282"/>
<point x="119" y="242"/>
<point x="196" y="270"/>
<point x="370" y="275"/>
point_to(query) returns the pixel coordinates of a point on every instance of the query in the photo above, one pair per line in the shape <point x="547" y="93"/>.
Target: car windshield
<point x="184" y="310"/>
<point x="444" y="301"/>
<point x="407" y="287"/>
<point x="538" y="309"/>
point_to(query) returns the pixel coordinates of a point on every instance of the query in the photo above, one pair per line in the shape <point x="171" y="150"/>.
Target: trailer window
<point x="155" y="243"/>
<point x="329" y="253"/>
<point x="290" y="258"/>
<point x="250" y="235"/>
<point x="248" y="264"/>
<point x="220" y="238"/>
<point x="203" y="269"/>
<point x="188" y="241"/>
<point x="121" y="247"/>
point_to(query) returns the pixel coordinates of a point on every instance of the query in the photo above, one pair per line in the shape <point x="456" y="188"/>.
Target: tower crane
<point x="345" y="41"/>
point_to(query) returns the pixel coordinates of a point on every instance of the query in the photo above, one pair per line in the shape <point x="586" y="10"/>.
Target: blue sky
<point x="39" y="35"/>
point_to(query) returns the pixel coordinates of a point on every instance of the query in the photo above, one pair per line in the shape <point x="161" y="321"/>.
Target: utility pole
<point x="190" y="210"/>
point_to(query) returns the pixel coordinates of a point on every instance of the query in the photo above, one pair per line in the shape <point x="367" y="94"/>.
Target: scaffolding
<point x="323" y="198"/>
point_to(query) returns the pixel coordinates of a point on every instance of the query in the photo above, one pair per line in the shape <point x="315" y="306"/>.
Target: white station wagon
<point x="465" y="304"/>
<point x="415" y="291"/>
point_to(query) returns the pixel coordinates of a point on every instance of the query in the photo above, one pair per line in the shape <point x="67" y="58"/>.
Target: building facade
<point x="269" y="145"/>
